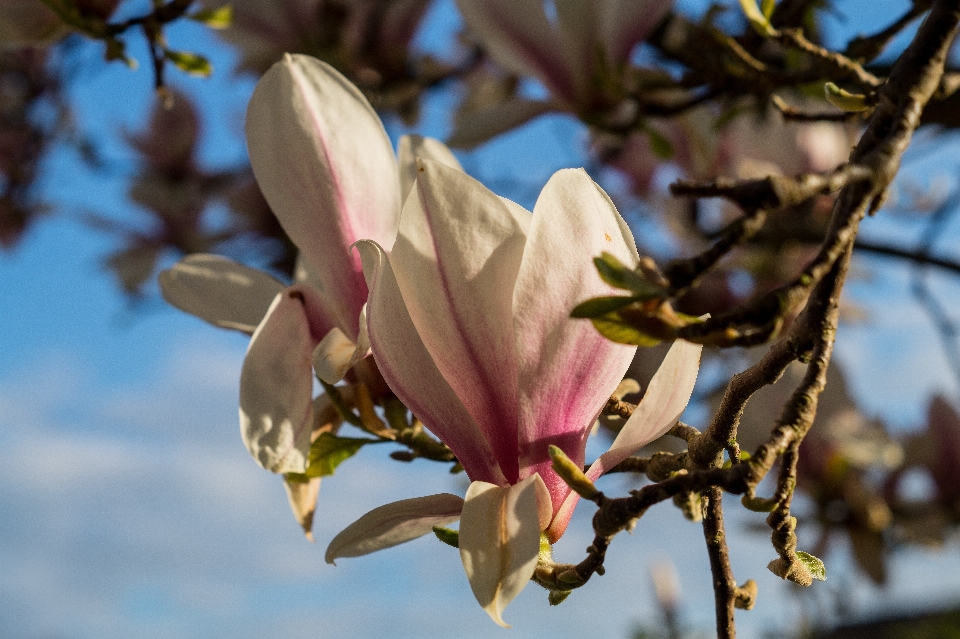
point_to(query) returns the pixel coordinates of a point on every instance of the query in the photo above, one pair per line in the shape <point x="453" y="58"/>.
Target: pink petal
<point x="223" y="292"/>
<point x="499" y="542"/>
<point x="326" y="167"/>
<point x="479" y="126"/>
<point x="412" y="147"/>
<point x="519" y="37"/>
<point x="666" y="398"/>
<point x="567" y="370"/>
<point x="578" y="33"/>
<point x="456" y="260"/>
<point x="412" y="375"/>
<point x="394" y="524"/>
<point x="276" y="383"/>
<point x="662" y="405"/>
<point x="624" y="23"/>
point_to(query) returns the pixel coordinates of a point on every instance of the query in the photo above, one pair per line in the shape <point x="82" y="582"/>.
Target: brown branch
<point x="920" y="258"/>
<point x="683" y="274"/>
<point x="840" y="64"/>
<point x="913" y="80"/>
<point x="792" y="113"/>
<point x="724" y="585"/>
<point x="774" y="191"/>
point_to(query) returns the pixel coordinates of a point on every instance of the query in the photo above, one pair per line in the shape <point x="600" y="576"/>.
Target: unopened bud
<point x="843" y="99"/>
<point x="572" y="474"/>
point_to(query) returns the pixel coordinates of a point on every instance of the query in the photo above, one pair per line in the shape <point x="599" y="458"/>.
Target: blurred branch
<point x="791" y="113"/>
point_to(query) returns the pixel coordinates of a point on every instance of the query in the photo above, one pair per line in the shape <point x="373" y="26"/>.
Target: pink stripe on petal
<point x="567" y="370"/>
<point x="518" y="36"/>
<point x="412" y="375"/>
<point x="326" y="167"/>
<point x="456" y="260"/>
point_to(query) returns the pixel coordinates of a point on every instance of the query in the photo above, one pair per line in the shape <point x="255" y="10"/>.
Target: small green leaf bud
<point x="572" y="474"/>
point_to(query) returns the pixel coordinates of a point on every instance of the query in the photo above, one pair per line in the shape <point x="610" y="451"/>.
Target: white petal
<point x="220" y="291"/>
<point x="394" y="524"/>
<point x="303" y="502"/>
<point x="327" y="169"/>
<point x="412" y="147"/>
<point x="578" y="28"/>
<point x="336" y="353"/>
<point x="476" y="127"/>
<point x="411" y="373"/>
<point x="499" y="541"/>
<point x="518" y="36"/>
<point x="456" y="260"/>
<point x="276" y="383"/>
<point x="624" y="23"/>
<point x="567" y="370"/>
<point x="662" y="405"/>
<point x="334" y="356"/>
<point x="305" y="272"/>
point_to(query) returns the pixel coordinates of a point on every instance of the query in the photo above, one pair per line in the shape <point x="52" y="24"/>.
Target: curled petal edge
<point x="394" y="524"/>
<point x="336" y="353"/>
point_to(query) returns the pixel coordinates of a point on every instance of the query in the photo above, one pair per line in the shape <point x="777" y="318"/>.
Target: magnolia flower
<point x="579" y="52"/>
<point x="469" y="321"/>
<point x="326" y="167"/>
<point x="368" y="40"/>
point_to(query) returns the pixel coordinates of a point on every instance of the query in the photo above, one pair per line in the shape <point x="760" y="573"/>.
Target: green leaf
<point x="328" y="451"/>
<point x="448" y="536"/>
<point x="217" y="18"/>
<point x="191" y="63"/>
<point x="296" y="478"/>
<point x="766" y="7"/>
<point x="597" y="306"/>
<point x="813" y="564"/>
<point x="619" y="275"/>
<point x="759" y="22"/>
<point x="616" y="330"/>
<point x="659" y="144"/>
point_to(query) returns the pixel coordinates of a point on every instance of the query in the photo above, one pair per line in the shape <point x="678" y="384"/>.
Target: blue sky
<point x="129" y="507"/>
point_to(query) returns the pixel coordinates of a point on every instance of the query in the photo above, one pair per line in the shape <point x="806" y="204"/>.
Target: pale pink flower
<point x="326" y="167"/>
<point x="571" y="51"/>
<point x="469" y="321"/>
<point x="578" y="49"/>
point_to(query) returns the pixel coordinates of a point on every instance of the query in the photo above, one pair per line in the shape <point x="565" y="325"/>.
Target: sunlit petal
<point x="303" y="502"/>
<point x="664" y="401"/>
<point x="412" y="147"/>
<point x="456" y="260"/>
<point x="394" y="524"/>
<point x="220" y="291"/>
<point x="336" y="353"/>
<point x="499" y="541"/>
<point x="414" y="378"/>
<point x="566" y="368"/>
<point x="276" y="383"/>
<point x="327" y="169"/>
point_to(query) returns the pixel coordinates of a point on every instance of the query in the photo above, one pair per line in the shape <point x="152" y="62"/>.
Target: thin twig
<point x="792" y="113"/>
